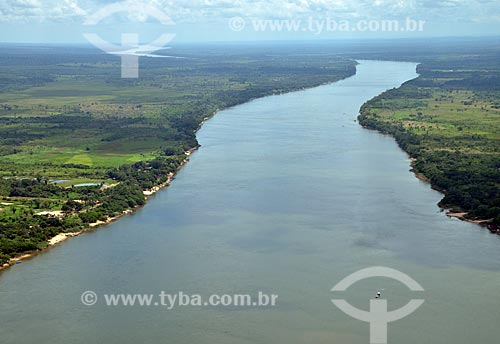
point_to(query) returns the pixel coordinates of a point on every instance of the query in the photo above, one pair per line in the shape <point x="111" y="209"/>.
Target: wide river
<point x="287" y="195"/>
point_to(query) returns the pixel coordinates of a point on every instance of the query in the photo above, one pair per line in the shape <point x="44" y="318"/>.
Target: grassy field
<point x="79" y="111"/>
<point x="78" y="140"/>
<point x="460" y="116"/>
<point x="68" y="121"/>
<point x="448" y="119"/>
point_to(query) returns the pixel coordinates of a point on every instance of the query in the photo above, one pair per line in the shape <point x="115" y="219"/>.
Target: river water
<point x="287" y="195"/>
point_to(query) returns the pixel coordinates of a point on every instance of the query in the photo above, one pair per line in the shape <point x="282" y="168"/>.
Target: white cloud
<point x="211" y="10"/>
<point x="26" y="3"/>
<point x="28" y="10"/>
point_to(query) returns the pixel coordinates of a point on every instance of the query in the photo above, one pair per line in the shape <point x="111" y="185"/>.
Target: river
<point x="287" y="195"/>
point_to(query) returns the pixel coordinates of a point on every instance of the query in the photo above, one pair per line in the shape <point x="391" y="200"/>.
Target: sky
<point x="65" y="21"/>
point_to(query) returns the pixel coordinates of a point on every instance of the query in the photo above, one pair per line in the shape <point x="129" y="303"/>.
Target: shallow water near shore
<point x="287" y="195"/>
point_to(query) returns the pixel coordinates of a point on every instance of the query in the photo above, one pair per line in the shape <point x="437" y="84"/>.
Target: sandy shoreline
<point x="61" y="237"/>
<point x="461" y="215"/>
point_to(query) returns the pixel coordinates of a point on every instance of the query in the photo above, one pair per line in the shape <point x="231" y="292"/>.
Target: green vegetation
<point x="78" y="144"/>
<point x="448" y="119"/>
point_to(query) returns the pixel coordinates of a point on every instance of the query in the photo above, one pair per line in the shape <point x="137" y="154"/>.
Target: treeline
<point x="469" y="181"/>
<point x="26" y="231"/>
<point x="147" y="174"/>
<point x="111" y="202"/>
<point x="460" y="161"/>
<point x="29" y="232"/>
<point x="156" y="114"/>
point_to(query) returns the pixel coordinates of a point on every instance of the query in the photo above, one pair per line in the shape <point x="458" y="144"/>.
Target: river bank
<point x="61" y="237"/>
<point x="456" y="213"/>
<point x="287" y="196"/>
<point x="459" y="162"/>
<point x="451" y="210"/>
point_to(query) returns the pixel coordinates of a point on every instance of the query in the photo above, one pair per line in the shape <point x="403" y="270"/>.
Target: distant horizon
<point x="269" y="41"/>
<point x="66" y="21"/>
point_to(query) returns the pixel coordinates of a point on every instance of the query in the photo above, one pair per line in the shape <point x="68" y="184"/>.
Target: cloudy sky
<point x="210" y="20"/>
